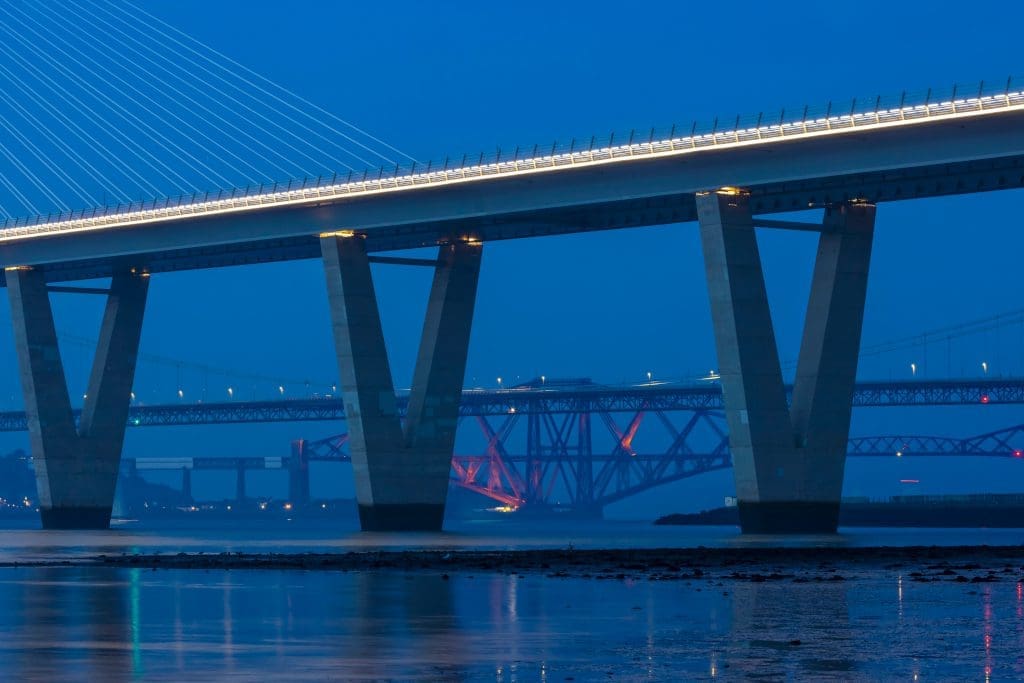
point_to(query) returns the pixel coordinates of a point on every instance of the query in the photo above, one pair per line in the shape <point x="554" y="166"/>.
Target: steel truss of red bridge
<point x="586" y="458"/>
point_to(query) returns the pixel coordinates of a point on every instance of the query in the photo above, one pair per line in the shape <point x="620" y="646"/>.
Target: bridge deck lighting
<point x="988" y="102"/>
<point x="728" y="190"/>
<point x="339" y="233"/>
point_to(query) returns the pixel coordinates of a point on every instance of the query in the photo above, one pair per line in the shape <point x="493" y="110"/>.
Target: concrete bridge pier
<point x="186" y="482"/>
<point x="240" y="492"/>
<point x="788" y="459"/>
<point x="76" y="469"/>
<point x="298" y="475"/>
<point x="401" y="472"/>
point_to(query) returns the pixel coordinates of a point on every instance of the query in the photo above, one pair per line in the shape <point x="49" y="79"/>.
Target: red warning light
<point x="984" y="398"/>
<point x="1018" y="453"/>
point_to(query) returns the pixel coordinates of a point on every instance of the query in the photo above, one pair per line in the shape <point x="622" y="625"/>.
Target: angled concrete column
<point x="401" y="473"/>
<point x="76" y="469"/>
<point x="788" y="463"/>
<point x="827" y="365"/>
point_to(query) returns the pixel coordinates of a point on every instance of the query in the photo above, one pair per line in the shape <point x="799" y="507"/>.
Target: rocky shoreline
<point x="961" y="564"/>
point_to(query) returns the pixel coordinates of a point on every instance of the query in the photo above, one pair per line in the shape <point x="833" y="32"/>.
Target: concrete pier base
<point x="401" y="472"/>
<point x="76" y="468"/>
<point x="401" y="516"/>
<point x="775" y="517"/>
<point x="788" y="461"/>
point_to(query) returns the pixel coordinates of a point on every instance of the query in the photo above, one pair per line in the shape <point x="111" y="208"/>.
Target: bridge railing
<point x="793" y="122"/>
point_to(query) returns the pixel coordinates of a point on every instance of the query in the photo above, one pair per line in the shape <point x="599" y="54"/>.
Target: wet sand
<point x="960" y="564"/>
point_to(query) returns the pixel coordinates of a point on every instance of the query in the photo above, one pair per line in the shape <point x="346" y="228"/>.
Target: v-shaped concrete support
<point x="788" y="461"/>
<point x="401" y="474"/>
<point x="76" y="469"/>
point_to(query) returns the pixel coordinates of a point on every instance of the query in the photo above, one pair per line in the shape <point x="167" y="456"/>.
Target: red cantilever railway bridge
<point x="583" y="445"/>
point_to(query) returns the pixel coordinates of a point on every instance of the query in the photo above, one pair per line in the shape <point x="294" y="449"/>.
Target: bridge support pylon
<point x="401" y="472"/>
<point x="788" y="460"/>
<point x="76" y="469"/>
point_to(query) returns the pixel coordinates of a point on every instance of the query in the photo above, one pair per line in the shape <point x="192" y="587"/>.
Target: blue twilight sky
<point x="446" y="77"/>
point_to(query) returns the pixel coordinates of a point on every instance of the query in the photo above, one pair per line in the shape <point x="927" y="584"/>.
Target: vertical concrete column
<point x="76" y="470"/>
<point x="827" y="366"/>
<point x="240" y="492"/>
<point x="186" y="483"/>
<point x="298" y="474"/>
<point x="401" y="474"/>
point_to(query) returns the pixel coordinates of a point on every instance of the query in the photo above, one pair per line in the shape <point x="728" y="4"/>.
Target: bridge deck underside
<point x="942" y="158"/>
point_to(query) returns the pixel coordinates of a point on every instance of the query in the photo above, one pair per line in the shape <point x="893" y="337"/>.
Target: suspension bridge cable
<point x="74" y="128"/>
<point x="130" y="118"/>
<point x="215" y="177"/>
<point x="89" y="113"/>
<point x="269" y="82"/>
<point x="240" y="130"/>
<point x="946" y="333"/>
<point x="26" y="202"/>
<point x="240" y="103"/>
<point x="50" y="164"/>
<point x="212" y="140"/>
<point x="217" y="101"/>
<point x="32" y="177"/>
<point x="77" y="158"/>
<point x="958" y="331"/>
<point x="168" y="362"/>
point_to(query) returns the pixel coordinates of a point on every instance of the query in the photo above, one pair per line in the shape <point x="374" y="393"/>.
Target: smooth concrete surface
<point x="931" y="158"/>
<point x="787" y="460"/>
<point x="401" y="474"/>
<point x="76" y="469"/>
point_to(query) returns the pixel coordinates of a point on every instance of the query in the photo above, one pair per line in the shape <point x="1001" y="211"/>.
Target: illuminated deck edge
<point x="670" y="147"/>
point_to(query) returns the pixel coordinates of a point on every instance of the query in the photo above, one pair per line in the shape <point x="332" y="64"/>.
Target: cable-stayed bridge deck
<point x="954" y="146"/>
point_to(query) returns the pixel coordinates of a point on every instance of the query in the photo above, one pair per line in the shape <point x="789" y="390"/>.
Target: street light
<point x="181" y="394"/>
<point x="231" y="392"/>
<point x="499" y="383"/>
<point x="649" y="376"/>
<point x="913" y="369"/>
<point x="280" y="389"/>
<point x="984" y="367"/>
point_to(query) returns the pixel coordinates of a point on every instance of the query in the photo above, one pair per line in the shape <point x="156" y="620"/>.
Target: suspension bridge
<point x="191" y="145"/>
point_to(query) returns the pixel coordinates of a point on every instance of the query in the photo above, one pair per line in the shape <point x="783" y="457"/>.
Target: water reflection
<point x="72" y="620"/>
<point x="777" y="630"/>
<point x="111" y="625"/>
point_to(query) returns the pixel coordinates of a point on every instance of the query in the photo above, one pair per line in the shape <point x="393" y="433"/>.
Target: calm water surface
<point x="130" y="624"/>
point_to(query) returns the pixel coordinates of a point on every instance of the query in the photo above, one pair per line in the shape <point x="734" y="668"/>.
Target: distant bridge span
<point x="587" y="482"/>
<point x="554" y="398"/>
